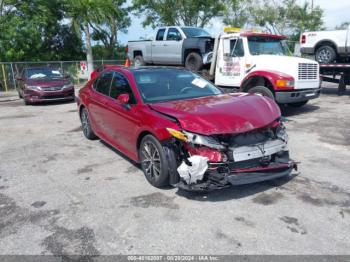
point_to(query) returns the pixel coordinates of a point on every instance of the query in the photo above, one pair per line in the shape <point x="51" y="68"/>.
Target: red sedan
<point x="42" y="84"/>
<point x="183" y="130"/>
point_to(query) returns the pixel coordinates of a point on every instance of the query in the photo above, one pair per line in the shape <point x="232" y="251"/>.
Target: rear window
<point x="160" y="85"/>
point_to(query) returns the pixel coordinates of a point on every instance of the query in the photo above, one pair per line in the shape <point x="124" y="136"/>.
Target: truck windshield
<point x="160" y="85"/>
<point x="266" y="46"/>
<point x="195" y="32"/>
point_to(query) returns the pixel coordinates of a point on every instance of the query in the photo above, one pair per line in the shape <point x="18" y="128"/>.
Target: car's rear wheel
<point x="153" y="161"/>
<point x="194" y="62"/>
<point x="86" y="125"/>
<point x="325" y="54"/>
<point x="261" y="90"/>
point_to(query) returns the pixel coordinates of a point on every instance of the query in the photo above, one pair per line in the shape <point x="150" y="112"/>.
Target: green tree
<point x="286" y="16"/>
<point x="33" y="30"/>
<point x="105" y="28"/>
<point x="236" y="12"/>
<point x="178" y="12"/>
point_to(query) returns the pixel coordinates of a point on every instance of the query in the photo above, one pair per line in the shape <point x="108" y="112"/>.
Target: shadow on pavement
<point x="235" y="192"/>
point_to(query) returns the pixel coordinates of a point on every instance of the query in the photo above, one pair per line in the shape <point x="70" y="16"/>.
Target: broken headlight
<point x="281" y="133"/>
<point x="203" y="140"/>
<point x="195" y="138"/>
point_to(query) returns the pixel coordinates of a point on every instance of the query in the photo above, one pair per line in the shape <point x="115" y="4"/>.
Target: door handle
<point x="165" y="45"/>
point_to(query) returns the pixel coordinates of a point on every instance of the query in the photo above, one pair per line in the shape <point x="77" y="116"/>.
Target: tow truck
<point x="258" y="62"/>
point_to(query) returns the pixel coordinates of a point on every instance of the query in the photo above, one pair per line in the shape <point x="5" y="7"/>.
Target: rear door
<point x="173" y="47"/>
<point x="98" y="104"/>
<point x="123" y="119"/>
<point x="158" y="45"/>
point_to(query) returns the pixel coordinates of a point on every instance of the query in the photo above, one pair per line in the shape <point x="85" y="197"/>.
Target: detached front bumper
<point x="35" y="96"/>
<point x="295" y="96"/>
<point x="223" y="175"/>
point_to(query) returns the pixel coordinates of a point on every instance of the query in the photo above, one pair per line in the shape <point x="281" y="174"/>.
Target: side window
<point x="173" y="34"/>
<point x="120" y="85"/>
<point x="103" y="83"/>
<point x="160" y="35"/>
<point x="237" y="49"/>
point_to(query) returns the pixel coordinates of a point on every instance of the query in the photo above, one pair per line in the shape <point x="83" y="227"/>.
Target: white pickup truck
<point x="173" y="45"/>
<point x="327" y="46"/>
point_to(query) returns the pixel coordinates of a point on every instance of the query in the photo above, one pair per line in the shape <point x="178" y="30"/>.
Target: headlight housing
<point x="195" y="139"/>
<point x="67" y="86"/>
<point x="284" y="83"/>
<point x="281" y="133"/>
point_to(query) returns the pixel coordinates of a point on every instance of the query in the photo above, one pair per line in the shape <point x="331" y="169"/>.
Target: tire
<point x="154" y="164"/>
<point x="194" y="62"/>
<point x="262" y="90"/>
<point x="298" y="104"/>
<point x="325" y="54"/>
<point x="19" y="95"/>
<point x="138" y="61"/>
<point x="86" y="125"/>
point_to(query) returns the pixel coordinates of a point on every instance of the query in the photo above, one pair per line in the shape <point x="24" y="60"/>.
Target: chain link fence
<point x="9" y="70"/>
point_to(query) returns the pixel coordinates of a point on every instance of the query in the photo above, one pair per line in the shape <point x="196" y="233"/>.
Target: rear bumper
<point x="42" y="96"/>
<point x="295" y="96"/>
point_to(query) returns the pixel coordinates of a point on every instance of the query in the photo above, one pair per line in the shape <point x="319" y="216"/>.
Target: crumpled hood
<point x="223" y="114"/>
<point x="47" y="82"/>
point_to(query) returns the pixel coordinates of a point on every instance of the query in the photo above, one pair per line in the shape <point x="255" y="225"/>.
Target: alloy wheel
<point x="150" y="160"/>
<point x="85" y="122"/>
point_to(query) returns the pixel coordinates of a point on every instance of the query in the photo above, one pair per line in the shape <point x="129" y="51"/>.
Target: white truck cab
<point x="258" y="63"/>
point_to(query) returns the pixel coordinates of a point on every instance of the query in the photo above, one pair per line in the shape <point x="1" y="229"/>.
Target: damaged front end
<point x="203" y="163"/>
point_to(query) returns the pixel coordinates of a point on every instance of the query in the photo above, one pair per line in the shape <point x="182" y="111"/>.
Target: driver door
<point x="231" y="64"/>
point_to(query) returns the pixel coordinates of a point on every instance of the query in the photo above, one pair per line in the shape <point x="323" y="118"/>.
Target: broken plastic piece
<point x="191" y="174"/>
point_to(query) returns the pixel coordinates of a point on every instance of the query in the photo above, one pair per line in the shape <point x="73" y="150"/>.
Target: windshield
<point x="43" y="73"/>
<point x="194" y="32"/>
<point x="160" y="85"/>
<point x="266" y="46"/>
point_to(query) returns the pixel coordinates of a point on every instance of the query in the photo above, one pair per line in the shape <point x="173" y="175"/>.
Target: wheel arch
<point x="326" y="42"/>
<point x="257" y="80"/>
<point x="265" y="78"/>
<point x="137" y="52"/>
<point x="187" y="51"/>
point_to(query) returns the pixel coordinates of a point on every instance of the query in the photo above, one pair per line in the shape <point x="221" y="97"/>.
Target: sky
<point x="335" y="12"/>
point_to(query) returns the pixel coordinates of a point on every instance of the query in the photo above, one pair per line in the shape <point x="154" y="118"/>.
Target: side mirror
<point x="18" y="78"/>
<point x="123" y="98"/>
<point x="178" y="38"/>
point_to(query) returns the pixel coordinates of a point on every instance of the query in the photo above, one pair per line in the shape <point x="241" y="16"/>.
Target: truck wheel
<point x="261" y="90"/>
<point x="194" y="62"/>
<point x="325" y="54"/>
<point x="138" y="61"/>
<point x="298" y="104"/>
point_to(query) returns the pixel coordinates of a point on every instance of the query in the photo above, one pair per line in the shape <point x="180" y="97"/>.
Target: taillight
<point x="303" y="39"/>
<point x="126" y="49"/>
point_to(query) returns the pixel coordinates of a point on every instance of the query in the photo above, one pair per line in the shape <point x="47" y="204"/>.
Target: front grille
<point x="307" y="71"/>
<point x="52" y="88"/>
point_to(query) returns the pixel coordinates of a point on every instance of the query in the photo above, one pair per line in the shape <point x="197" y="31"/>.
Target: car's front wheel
<point x="153" y="162"/>
<point x="86" y="125"/>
